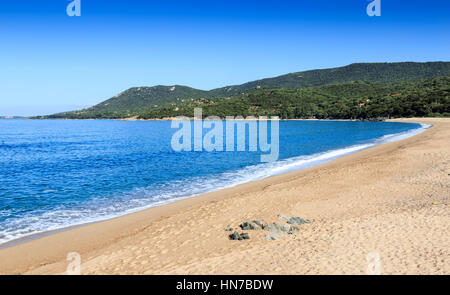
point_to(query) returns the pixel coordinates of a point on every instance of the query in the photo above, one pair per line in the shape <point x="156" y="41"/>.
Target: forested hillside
<point x="363" y="91"/>
<point x="353" y="100"/>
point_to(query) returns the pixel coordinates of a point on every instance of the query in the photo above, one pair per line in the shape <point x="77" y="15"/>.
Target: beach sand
<point x="391" y="200"/>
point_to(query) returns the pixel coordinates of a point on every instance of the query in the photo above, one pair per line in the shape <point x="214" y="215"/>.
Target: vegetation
<point x="353" y="100"/>
<point x="368" y="72"/>
<point x="358" y="91"/>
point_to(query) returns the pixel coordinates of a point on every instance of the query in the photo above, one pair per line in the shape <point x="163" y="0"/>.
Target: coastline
<point x="203" y="243"/>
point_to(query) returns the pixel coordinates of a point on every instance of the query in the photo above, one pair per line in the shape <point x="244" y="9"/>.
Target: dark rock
<point x="286" y="227"/>
<point x="278" y="228"/>
<point x="239" y="237"/>
<point x="275" y="228"/>
<point x="234" y="236"/>
<point x="251" y="225"/>
<point x="260" y="223"/>
<point x="297" y="220"/>
<point x="294" y="228"/>
<point x="229" y="229"/>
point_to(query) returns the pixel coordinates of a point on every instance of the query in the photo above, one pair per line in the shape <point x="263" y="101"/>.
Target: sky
<point x="51" y="62"/>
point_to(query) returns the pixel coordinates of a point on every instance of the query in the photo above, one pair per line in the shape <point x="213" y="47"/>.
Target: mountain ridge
<point x="134" y="100"/>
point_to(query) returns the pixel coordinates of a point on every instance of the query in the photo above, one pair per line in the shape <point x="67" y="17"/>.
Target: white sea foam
<point x="143" y="198"/>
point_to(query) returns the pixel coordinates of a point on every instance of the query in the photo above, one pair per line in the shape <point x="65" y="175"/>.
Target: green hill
<point x="146" y="102"/>
<point x="350" y="100"/>
<point x="133" y="100"/>
<point x="367" y="72"/>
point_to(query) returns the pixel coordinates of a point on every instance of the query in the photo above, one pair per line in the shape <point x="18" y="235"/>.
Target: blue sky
<point x="50" y="62"/>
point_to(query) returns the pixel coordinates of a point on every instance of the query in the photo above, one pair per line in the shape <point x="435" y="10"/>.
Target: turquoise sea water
<point x="57" y="173"/>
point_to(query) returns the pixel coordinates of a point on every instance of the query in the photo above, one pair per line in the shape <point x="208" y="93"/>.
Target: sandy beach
<point x="391" y="200"/>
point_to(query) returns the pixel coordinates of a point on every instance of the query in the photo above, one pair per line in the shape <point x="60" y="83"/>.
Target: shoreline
<point x="39" y="235"/>
<point x="109" y="237"/>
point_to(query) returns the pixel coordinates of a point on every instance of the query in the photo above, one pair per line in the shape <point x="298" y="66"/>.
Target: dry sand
<point x="391" y="199"/>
